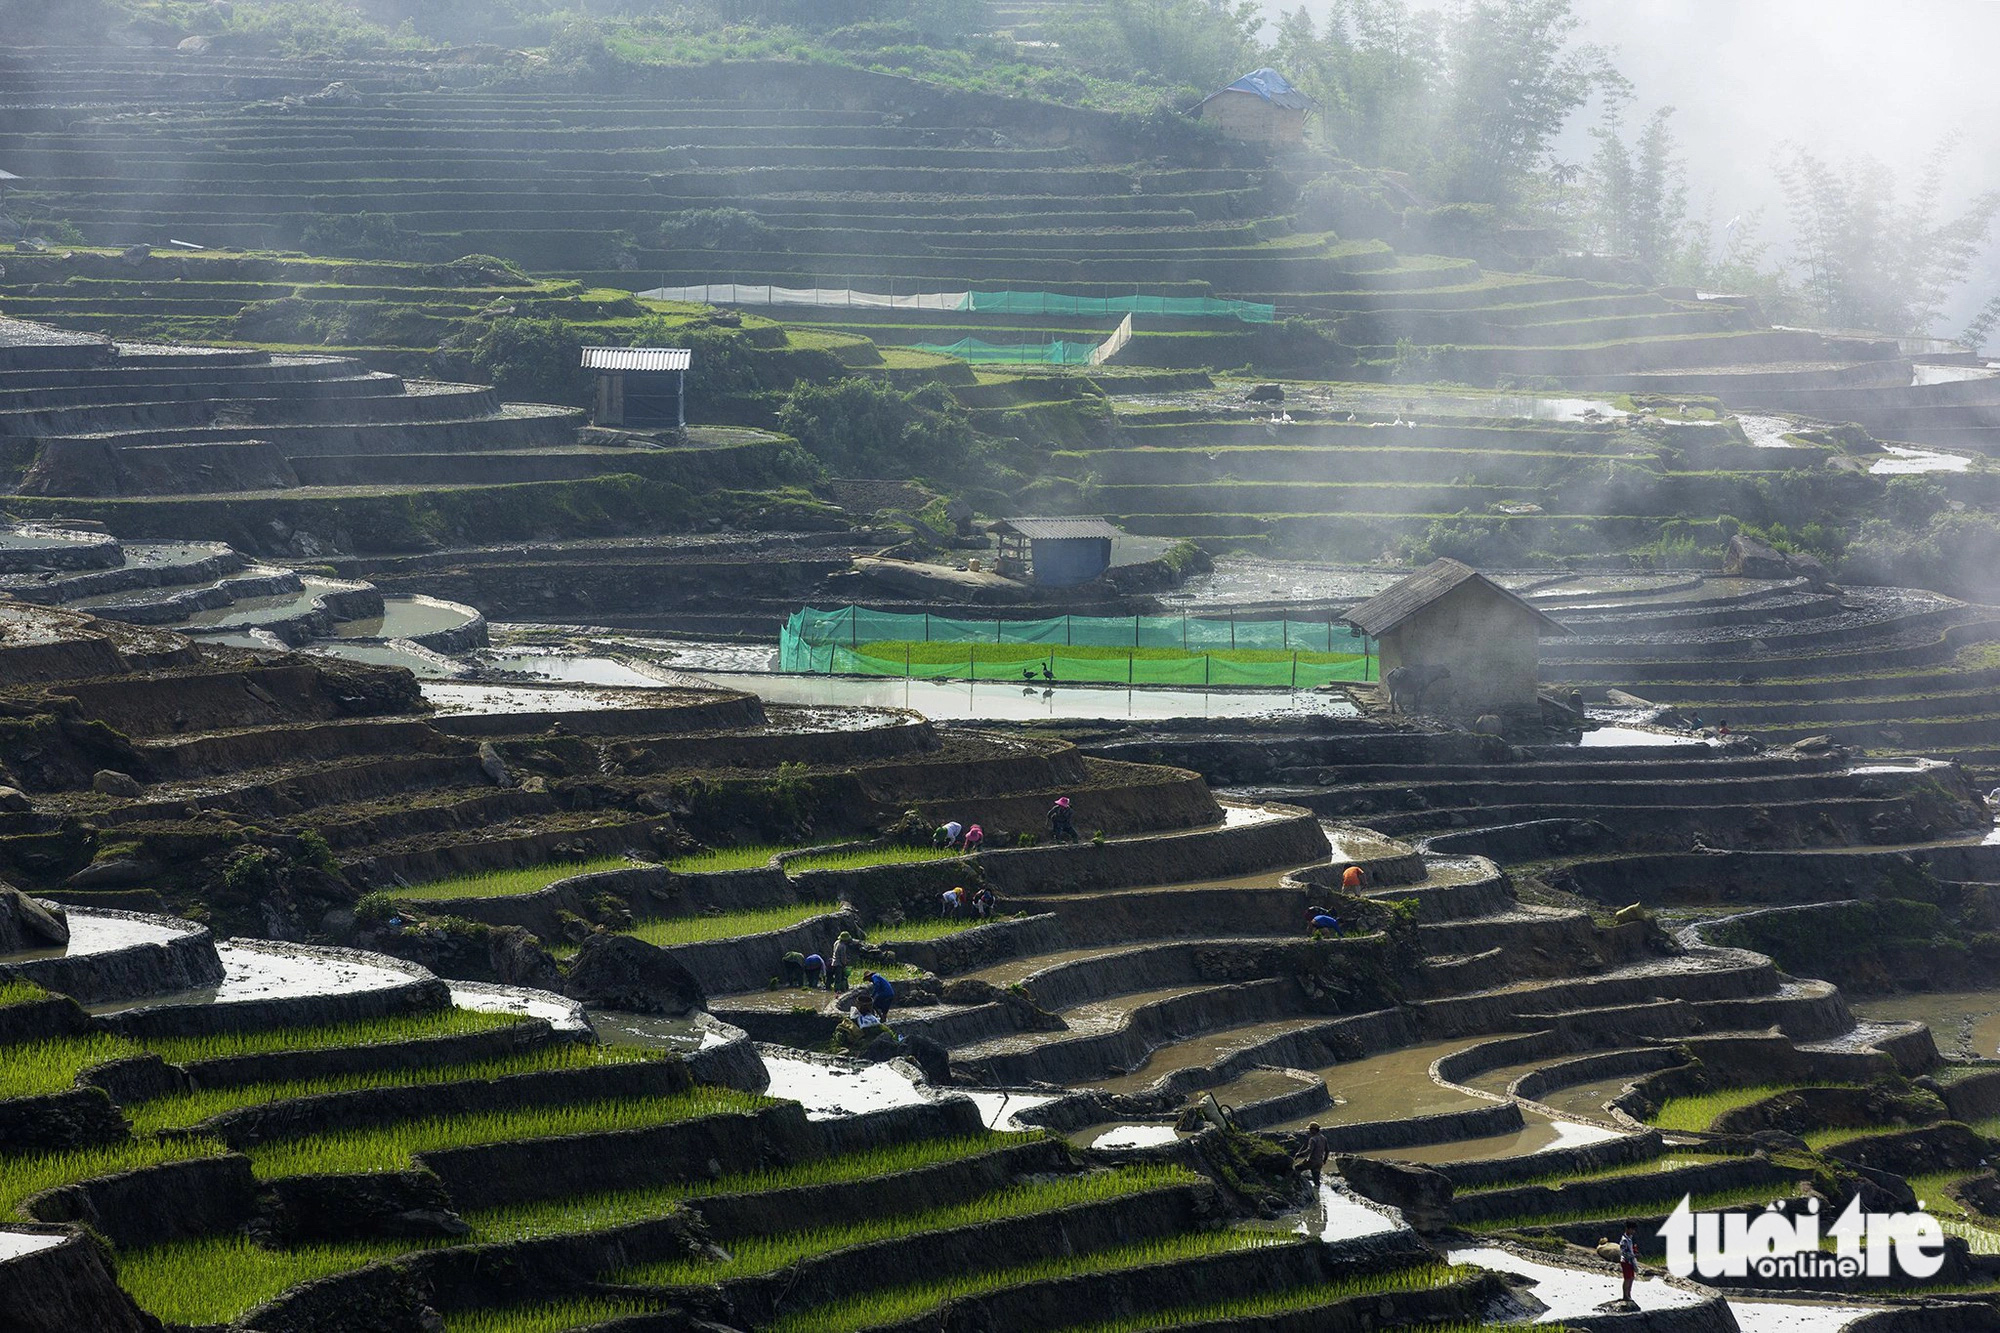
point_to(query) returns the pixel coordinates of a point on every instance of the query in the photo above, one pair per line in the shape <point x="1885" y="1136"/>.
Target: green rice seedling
<point x="509" y="883"/>
<point x="20" y="992"/>
<point x="569" y="1215"/>
<point x="913" y="932"/>
<point x="1421" y="1277"/>
<point x="862" y="858"/>
<point x="366" y="1032"/>
<point x="713" y="860"/>
<point x="38" y="1068"/>
<point x="896" y="1304"/>
<point x="22" y="1178"/>
<point x="391" y="1147"/>
<point x="942" y="652"/>
<point x="1933" y="1191"/>
<point x="667" y="931"/>
<point x="1694" y="1114"/>
<point x="191" y="1108"/>
<point x="552" y="1318"/>
<point x="765" y="1254"/>
<point x="215" y="1279"/>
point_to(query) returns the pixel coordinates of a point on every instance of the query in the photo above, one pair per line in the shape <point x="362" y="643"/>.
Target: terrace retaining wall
<point x="185" y="962"/>
<point x="65" y="1288"/>
<point x="158" y="1204"/>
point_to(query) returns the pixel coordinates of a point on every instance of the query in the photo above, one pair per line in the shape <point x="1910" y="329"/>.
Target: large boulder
<point x="1748" y="558"/>
<point x="28" y="924"/>
<point x="1423" y="1195"/>
<point x="619" y="972"/>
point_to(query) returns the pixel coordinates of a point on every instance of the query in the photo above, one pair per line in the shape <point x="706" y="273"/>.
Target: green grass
<point x="391" y="1147"/>
<point x="1422" y="1277"/>
<point x="862" y="858"/>
<point x="1694" y="1114"/>
<point x="20" y="992"/>
<point x="38" y="1068"/>
<point x="509" y="883"/>
<point x="896" y="1304"/>
<point x="567" y="1216"/>
<point x="24" y="1177"/>
<point x="190" y="1108"/>
<point x="215" y="1279"/>
<point x="765" y="1254"/>
<point x="367" y="1032"/>
<point x="543" y="1318"/>
<point x="667" y="931"/>
<point x="939" y="652"/>
<point x="1982" y="1235"/>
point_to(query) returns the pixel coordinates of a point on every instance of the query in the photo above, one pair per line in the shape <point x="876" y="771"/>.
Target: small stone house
<point x="1450" y="615"/>
<point x="1261" y="107"/>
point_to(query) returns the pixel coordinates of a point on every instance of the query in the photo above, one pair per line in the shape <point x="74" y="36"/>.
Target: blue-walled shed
<point x="1061" y="552"/>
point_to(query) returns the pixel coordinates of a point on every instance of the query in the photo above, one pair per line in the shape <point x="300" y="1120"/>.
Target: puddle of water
<point x="422" y="662"/>
<point x="1571" y="1293"/>
<point x="1794" y="1316"/>
<point x="1124" y="1136"/>
<point x="406" y="618"/>
<point x="1904" y="461"/>
<point x="465" y="698"/>
<point x="265" y="970"/>
<point x="248" y="611"/>
<point x="1005" y="701"/>
<point x="1338" y="1215"/>
<point x="14" y="1244"/>
<point x="572" y="670"/>
<point x="564" y="1014"/>
<point x="1586" y="1099"/>
<point x="1906" y="766"/>
<point x="92" y="933"/>
<point x="1963" y="1023"/>
<point x="1001" y="1110"/>
<point x="830" y="1091"/>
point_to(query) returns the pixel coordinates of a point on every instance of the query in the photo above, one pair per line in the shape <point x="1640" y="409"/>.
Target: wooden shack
<point x="641" y="387"/>
<point x="1055" y="552"/>
<point x="1448" y="615"/>
<point x="1262" y="107"/>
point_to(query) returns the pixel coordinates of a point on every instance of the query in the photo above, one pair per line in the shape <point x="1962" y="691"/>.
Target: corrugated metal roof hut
<point x="1449" y="615"/>
<point x="640" y="386"/>
<point x="1062" y="552"/>
<point x="1262" y="106"/>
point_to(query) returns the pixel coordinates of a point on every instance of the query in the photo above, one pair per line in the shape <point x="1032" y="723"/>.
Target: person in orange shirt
<point x="1351" y="879"/>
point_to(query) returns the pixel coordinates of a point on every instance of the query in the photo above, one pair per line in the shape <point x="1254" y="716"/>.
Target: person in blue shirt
<point x="1320" y="921"/>
<point x="884" y="992"/>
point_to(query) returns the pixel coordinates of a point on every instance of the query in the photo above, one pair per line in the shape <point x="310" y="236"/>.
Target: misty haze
<point x="802" y="666"/>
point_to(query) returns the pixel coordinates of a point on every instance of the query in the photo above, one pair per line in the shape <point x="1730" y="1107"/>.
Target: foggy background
<point x="1884" y="77"/>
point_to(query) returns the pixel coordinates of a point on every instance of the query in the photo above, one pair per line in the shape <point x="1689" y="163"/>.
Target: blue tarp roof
<point x="1270" y="85"/>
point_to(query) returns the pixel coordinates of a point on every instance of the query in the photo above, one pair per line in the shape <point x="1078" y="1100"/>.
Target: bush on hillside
<point x="723" y="229"/>
<point x="361" y="236"/>
<point x="532" y="360"/>
<point x="863" y="428"/>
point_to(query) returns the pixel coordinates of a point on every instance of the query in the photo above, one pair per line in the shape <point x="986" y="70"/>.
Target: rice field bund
<point x="920" y="665"/>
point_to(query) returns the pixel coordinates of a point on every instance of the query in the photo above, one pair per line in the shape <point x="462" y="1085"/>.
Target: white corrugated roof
<point x="637" y="358"/>
<point x="1059" y="529"/>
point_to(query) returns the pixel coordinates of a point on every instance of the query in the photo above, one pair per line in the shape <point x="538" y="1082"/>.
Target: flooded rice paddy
<point x="1963" y="1023"/>
<point x="269" y="970"/>
<point x="562" y="1013"/>
<point x="829" y="1091"/>
<point x="1125" y="1136"/>
<point x="105" y="932"/>
<point x="1002" y="1110"/>
<point x="1903" y="461"/>
<point x="408" y="618"/>
<point x="1334" y="1214"/>
<point x="14" y="1244"/>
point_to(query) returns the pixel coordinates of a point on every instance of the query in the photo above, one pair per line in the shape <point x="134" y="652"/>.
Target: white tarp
<point x="735" y="293"/>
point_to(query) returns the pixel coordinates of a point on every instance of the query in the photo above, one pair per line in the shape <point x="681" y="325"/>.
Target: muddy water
<point x="14" y="1244"/>
<point x="1904" y="461"/>
<point x="1335" y="1214"/>
<point x="1259" y="1085"/>
<point x="247" y="611"/>
<point x="1005" y="701"/>
<point x="831" y="1091"/>
<point x="408" y="617"/>
<point x="1572" y="1293"/>
<point x="90" y="933"/>
<point x="1586" y="1099"/>
<point x="1393" y="1086"/>
<point x="1000" y="1109"/>
<point x="1085" y="1020"/>
<point x="1963" y="1023"/>
<point x="266" y="970"/>
<point x="1124" y="1136"/>
<point x="425" y="664"/>
<point x="1202" y="1050"/>
<point x="562" y="1013"/>
<point x="572" y="670"/>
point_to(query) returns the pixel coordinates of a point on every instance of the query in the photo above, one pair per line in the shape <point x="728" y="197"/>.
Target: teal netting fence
<point x="1128" y="650"/>
<point x="1037" y="354"/>
<point x="1180" y="307"/>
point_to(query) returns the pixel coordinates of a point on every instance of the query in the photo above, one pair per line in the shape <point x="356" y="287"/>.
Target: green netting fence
<point x="1117" y="650"/>
<point x="1037" y="354"/>
<point x="1181" y="307"/>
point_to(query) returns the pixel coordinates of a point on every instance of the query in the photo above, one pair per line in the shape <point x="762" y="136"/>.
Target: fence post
<point x="1207" y="661"/>
<point x="1295" y="671"/>
<point x="1135" y="629"/>
<point x="906" y="661"/>
<point x="1129" y="657"/>
<point x="972" y="664"/>
<point x="1183" y="631"/>
<point x="927" y="627"/>
<point x="1066" y="638"/>
<point x="1232" y="627"/>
